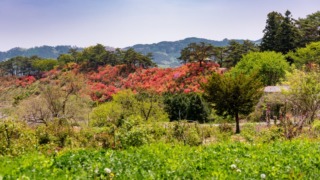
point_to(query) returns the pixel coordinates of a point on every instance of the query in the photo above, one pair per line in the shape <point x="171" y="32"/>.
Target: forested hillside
<point x="42" y="51"/>
<point x="165" y="53"/>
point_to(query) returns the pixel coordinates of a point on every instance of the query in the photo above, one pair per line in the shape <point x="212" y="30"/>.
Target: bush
<point x="249" y="132"/>
<point x="190" y="106"/>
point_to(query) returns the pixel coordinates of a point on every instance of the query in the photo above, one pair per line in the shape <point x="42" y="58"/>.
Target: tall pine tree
<point x="270" y="40"/>
<point x="288" y="34"/>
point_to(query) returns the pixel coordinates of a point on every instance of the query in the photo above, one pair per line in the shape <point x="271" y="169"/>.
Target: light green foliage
<point x="316" y="126"/>
<point x="269" y="66"/>
<point x="15" y="137"/>
<point x="277" y="160"/>
<point x="106" y="114"/>
<point x="44" y="64"/>
<point x="303" y="96"/>
<point x="125" y="104"/>
<point x="306" y="55"/>
<point x="127" y="117"/>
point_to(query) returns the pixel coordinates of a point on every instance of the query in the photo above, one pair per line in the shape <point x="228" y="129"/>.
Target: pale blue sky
<point x="121" y="23"/>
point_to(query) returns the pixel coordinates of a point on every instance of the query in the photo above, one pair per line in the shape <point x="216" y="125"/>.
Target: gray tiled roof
<point x="272" y="89"/>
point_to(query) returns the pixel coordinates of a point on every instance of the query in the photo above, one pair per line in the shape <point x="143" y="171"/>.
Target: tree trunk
<point x="237" y="124"/>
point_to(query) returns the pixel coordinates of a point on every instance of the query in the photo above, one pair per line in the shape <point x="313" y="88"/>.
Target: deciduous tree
<point x="233" y="94"/>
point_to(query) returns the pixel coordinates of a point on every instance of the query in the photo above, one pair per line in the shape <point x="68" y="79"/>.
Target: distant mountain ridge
<point x="41" y="51"/>
<point x="165" y="53"/>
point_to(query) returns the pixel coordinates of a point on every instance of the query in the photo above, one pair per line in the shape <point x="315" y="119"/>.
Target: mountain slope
<point x="165" y="53"/>
<point x="42" y="51"/>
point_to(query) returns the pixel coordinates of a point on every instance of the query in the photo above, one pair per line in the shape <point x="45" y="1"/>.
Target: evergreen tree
<point x="270" y="40"/>
<point x="288" y="34"/>
<point x="196" y="52"/>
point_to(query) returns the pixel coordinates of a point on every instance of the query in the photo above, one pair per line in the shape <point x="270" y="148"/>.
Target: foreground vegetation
<point x="279" y="160"/>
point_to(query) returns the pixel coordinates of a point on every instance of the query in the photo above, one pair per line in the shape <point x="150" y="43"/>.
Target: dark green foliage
<point x="233" y="94"/>
<point x="21" y="66"/>
<point x="280" y="33"/>
<point x="187" y="106"/>
<point x="270" y="38"/>
<point x="196" y="53"/>
<point x="198" y="109"/>
<point x="95" y="56"/>
<point x="288" y="34"/>
<point x="309" y="28"/>
<point x="235" y="51"/>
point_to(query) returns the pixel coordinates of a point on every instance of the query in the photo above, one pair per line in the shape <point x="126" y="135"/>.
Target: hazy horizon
<point x="122" y="23"/>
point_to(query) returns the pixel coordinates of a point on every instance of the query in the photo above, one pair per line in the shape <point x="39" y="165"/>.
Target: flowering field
<point x="279" y="160"/>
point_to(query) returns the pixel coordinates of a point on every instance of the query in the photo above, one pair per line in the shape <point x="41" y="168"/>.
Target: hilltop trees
<point x="21" y="66"/>
<point x="196" y="53"/>
<point x="227" y="56"/>
<point x="235" y="51"/>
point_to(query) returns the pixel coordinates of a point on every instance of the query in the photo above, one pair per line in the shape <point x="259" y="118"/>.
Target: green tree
<point x="309" y="28"/>
<point x="196" y="53"/>
<point x="288" y="34"/>
<point x="233" y="94"/>
<point x="190" y="106"/>
<point x="136" y="59"/>
<point x="44" y="64"/>
<point x="270" y="38"/>
<point x="220" y="53"/>
<point x="236" y="50"/>
<point x="269" y="66"/>
<point x="303" y="94"/>
<point x="306" y="56"/>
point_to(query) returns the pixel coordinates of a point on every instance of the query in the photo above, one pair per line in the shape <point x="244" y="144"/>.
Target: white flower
<point x="107" y="170"/>
<point x="96" y="171"/>
<point x="239" y="170"/>
<point x="233" y="166"/>
<point x="263" y="176"/>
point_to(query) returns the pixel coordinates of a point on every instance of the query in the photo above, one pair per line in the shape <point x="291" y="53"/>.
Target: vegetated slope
<point x="108" y="80"/>
<point x="165" y="53"/>
<point x="42" y="51"/>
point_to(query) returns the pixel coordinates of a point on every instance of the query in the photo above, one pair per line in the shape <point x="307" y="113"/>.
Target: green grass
<point x="279" y="160"/>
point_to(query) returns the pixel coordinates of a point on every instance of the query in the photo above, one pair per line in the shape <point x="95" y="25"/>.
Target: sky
<point x="122" y="23"/>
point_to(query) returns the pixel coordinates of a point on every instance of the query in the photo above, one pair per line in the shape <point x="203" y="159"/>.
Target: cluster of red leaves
<point x="186" y="78"/>
<point x="25" y="81"/>
<point x="108" y="80"/>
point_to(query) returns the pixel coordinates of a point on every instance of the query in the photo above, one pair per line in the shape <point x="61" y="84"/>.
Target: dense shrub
<point x="187" y="106"/>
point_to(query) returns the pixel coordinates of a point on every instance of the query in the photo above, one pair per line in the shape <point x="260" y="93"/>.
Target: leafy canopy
<point x="269" y="66"/>
<point x="233" y="94"/>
